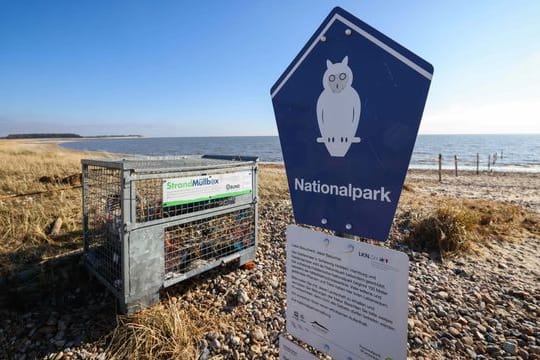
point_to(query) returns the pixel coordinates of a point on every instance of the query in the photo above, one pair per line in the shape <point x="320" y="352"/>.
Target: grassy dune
<point x="29" y="208"/>
<point x="26" y="220"/>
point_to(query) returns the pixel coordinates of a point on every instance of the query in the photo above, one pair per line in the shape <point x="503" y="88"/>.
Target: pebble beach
<point x="477" y="306"/>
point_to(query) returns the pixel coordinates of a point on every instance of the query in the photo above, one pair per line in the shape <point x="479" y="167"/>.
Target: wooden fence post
<point x="489" y="162"/>
<point x="440" y="167"/>
<point x="455" y="163"/>
<point x="477" y="163"/>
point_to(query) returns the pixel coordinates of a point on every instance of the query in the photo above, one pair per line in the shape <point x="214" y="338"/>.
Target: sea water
<point x="506" y="152"/>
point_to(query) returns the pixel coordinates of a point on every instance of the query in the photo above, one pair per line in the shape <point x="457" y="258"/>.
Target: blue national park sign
<point x="348" y="110"/>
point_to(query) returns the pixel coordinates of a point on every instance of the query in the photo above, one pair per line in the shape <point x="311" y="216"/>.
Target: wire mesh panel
<point x="194" y="244"/>
<point x="103" y="222"/>
<point x="149" y="199"/>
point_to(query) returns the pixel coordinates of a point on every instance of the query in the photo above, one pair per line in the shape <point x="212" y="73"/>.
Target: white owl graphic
<point x="338" y="109"/>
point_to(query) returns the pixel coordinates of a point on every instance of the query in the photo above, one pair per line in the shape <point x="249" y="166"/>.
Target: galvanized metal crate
<point x="151" y="222"/>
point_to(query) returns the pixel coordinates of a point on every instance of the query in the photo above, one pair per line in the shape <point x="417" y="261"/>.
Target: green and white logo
<point x="186" y="190"/>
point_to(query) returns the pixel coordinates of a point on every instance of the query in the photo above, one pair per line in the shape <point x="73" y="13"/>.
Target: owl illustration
<point x="338" y="109"/>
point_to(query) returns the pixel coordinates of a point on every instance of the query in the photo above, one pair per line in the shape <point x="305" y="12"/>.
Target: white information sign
<point x="290" y="351"/>
<point x="346" y="298"/>
<point x="199" y="188"/>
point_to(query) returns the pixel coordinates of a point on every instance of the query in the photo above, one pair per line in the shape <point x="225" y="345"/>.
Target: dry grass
<point x="272" y="183"/>
<point x="503" y="221"/>
<point x="25" y="220"/>
<point x="456" y="226"/>
<point x="167" y="331"/>
<point x="448" y="230"/>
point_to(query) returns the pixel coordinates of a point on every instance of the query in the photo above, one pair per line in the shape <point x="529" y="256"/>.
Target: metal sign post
<point x="348" y="109"/>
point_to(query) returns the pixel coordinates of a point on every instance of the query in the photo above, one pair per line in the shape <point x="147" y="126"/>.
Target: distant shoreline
<point x="65" y="136"/>
<point x="60" y="140"/>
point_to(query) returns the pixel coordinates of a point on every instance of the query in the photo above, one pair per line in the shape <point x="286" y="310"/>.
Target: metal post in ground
<point x="440" y="167"/>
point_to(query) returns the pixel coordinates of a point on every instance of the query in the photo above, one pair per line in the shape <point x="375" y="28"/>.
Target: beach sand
<point x="520" y="188"/>
<point x="483" y="304"/>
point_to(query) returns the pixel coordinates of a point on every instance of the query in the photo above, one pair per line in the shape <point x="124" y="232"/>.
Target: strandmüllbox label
<point x="186" y="190"/>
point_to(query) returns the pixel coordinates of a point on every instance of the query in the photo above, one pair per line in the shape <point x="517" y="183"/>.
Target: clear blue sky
<point x="198" y="68"/>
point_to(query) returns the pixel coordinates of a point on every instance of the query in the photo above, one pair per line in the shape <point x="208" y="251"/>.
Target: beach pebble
<point x="510" y="347"/>
<point x="241" y="296"/>
<point x="273" y="282"/>
<point x="466" y="308"/>
<point x="454" y="331"/>
<point x="235" y="341"/>
<point x="214" y="344"/>
<point x="257" y="334"/>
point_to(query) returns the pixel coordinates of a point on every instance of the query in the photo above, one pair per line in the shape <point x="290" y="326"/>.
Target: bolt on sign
<point x="348" y="109"/>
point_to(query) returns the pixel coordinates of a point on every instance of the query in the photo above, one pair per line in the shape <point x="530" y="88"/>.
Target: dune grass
<point x="165" y="331"/>
<point x="272" y="183"/>
<point x="25" y="220"/>
<point x="457" y="226"/>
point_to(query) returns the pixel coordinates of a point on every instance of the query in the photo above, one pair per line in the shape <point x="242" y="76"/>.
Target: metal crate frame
<point x="139" y="258"/>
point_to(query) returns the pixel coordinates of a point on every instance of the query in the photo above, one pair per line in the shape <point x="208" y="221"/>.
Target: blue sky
<point x="201" y="68"/>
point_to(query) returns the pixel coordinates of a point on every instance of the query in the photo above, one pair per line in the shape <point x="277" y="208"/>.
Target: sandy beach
<point x="477" y="304"/>
<point x="520" y="188"/>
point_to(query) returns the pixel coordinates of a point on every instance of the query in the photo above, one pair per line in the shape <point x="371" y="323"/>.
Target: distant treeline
<point x="40" y="136"/>
<point x="66" y="135"/>
<point x="107" y="136"/>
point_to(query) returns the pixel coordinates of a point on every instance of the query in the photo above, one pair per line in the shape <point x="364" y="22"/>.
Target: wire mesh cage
<point x="193" y="244"/>
<point x="154" y="221"/>
<point x="103" y="222"/>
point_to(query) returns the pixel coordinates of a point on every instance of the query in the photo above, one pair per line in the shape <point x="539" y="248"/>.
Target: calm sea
<point x="510" y="152"/>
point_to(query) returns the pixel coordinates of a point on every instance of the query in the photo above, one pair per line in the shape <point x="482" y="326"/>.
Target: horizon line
<point x="276" y="135"/>
<point x="139" y="136"/>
